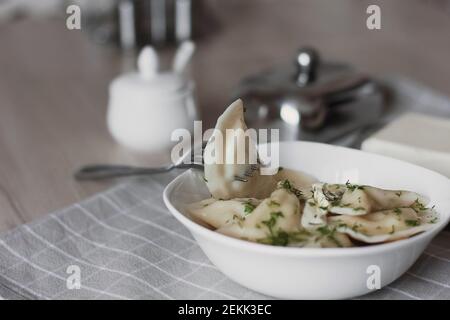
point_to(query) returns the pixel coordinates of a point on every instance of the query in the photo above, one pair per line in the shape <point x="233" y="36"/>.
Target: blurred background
<point x="54" y="81"/>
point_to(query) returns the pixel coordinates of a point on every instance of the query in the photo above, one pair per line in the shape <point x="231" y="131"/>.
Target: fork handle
<point x="105" y="171"/>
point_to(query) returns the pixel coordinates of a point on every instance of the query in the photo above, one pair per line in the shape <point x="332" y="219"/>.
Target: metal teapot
<point x="310" y="99"/>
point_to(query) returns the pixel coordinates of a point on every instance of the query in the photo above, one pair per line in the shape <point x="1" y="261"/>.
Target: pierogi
<point x="291" y="208"/>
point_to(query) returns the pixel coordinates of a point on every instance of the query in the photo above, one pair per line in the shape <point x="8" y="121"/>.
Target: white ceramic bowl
<point x="314" y="273"/>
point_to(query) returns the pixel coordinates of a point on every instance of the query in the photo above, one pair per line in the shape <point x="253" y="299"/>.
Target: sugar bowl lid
<point x="147" y="80"/>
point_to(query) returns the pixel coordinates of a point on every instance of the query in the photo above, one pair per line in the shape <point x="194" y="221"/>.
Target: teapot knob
<point x="307" y="62"/>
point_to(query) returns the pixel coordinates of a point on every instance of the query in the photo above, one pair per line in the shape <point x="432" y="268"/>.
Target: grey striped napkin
<point x="126" y="245"/>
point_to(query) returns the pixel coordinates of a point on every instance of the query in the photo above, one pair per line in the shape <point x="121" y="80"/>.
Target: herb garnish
<point x="312" y="203"/>
<point x="286" y="184"/>
<point x="355" y="227"/>
<point x="249" y="207"/>
<point x="393" y="230"/>
<point x="353" y="187"/>
<point x="336" y="241"/>
<point x="273" y="203"/>
<point x="325" y="230"/>
<point x="412" y="223"/>
<point x="418" y="206"/>
<point x="272" y="221"/>
<point x="434" y="220"/>
<point x="330" y="234"/>
<point x="397" y="211"/>
<point x="283" y="238"/>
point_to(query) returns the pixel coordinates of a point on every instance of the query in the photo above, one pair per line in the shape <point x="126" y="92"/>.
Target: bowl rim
<point x="298" y="251"/>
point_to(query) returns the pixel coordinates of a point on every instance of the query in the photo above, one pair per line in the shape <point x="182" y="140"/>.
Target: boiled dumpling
<point x="356" y="200"/>
<point x="322" y="237"/>
<point x="278" y="213"/>
<point x="218" y="213"/>
<point x="220" y="175"/>
<point x="276" y="221"/>
<point x="382" y="226"/>
<point x="290" y="208"/>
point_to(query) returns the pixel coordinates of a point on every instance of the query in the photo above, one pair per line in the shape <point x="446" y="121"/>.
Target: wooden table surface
<point x="53" y="82"/>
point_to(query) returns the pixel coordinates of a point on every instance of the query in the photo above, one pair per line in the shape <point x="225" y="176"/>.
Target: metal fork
<point x="105" y="171"/>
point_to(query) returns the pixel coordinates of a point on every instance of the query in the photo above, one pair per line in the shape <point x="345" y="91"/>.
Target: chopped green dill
<point x="418" y="206"/>
<point x="283" y="238"/>
<point x="248" y="207"/>
<point x="286" y="184"/>
<point x="353" y="187"/>
<point x="355" y="227"/>
<point x="238" y="219"/>
<point x="324" y="208"/>
<point x="336" y="203"/>
<point x="412" y="223"/>
<point x="397" y="211"/>
<point x="336" y="241"/>
<point x="273" y="203"/>
<point x="272" y="221"/>
<point x="359" y="208"/>
<point x="393" y="230"/>
<point x="325" y="230"/>
<point x="434" y="220"/>
<point x="344" y="205"/>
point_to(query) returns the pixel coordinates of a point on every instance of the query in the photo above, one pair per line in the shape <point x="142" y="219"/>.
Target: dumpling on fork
<point x="229" y="179"/>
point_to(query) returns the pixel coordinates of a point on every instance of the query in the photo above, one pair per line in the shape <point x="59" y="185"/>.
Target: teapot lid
<point x="308" y="75"/>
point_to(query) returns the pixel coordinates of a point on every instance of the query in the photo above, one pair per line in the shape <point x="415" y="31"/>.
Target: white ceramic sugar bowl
<point x="145" y="107"/>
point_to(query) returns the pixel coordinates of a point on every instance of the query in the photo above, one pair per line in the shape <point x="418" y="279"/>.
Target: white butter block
<point x="416" y="138"/>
